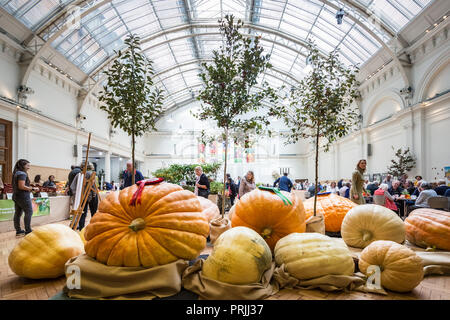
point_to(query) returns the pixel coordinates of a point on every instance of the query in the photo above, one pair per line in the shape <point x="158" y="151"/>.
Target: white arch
<point x="388" y="94"/>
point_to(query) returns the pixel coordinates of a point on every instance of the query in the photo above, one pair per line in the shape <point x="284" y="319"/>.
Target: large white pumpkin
<point x="367" y="223"/>
<point x="312" y="255"/>
<point x="240" y="256"/>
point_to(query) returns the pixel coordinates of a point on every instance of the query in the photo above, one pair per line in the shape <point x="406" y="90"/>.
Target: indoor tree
<point x="230" y="94"/>
<point x="321" y="107"/>
<point x="129" y="97"/>
<point x="403" y="162"/>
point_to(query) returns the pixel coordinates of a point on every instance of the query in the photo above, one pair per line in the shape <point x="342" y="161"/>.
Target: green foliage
<point x="129" y="97"/>
<point x="230" y="81"/>
<point x="321" y="106"/>
<point x="231" y="76"/>
<point x="176" y="173"/>
<point x="403" y="162"/>
<point x="216" y="187"/>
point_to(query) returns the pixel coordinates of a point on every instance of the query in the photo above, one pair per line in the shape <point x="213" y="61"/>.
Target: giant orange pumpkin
<point x="428" y="228"/>
<point x="266" y="213"/>
<point x="209" y="208"/>
<point x="333" y="208"/>
<point x="167" y="224"/>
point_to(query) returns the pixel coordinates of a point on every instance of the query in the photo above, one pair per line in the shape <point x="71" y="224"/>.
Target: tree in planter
<point x="229" y="91"/>
<point x="403" y="162"/>
<point x="321" y="108"/>
<point x="130" y="99"/>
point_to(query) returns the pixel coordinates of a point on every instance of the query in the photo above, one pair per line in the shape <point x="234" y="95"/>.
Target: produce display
<point x="240" y="256"/>
<point x="333" y="208"/>
<point x="44" y="252"/>
<point x="147" y="225"/>
<point x="268" y="214"/>
<point x="367" y="223"/>
<point x="311" y="255"/>
<point x="429" y="228"/>
<point x="401" y="268"/>
<point x="209" y="208"/>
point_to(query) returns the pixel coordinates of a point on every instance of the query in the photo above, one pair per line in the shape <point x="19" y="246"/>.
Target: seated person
<point x="50" y="183"/>
<point x="442" y="188"/>
<point x="396" y="189"/>
<point x="422" y="200"/>
<point x="372" y="187"/>
<point x="388" y="199"/>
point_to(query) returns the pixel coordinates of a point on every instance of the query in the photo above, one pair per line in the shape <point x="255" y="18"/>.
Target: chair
<point x="439" y="202"/>
<point x="379" y="199"/>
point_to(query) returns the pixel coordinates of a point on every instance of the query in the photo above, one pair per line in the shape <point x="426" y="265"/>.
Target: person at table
<point x="357" y="188"/>
<point x="127" y="176"/>
<point x="372" y="187"/>
<point x="37" y="180"/>
<point x="417" y="189"/>
<point x="396" y="189"/>
<point x="442" y="187"/>
<point x="284" y="183"/>
<point x="388" y="198"/>
<point x="388" y="181"/>
<point x="333" y="188"/>
<point x="425" y="193"/>
<point x="247" y="184"/>
<point x="21" y="196"/>
<point x="201" y="183"/>
<point x="50" y="183"/>
<point x="418" y="180"/>
<point x="409" y="186"/>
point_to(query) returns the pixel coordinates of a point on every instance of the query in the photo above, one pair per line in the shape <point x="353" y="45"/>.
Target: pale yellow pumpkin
<point x="312" y="255"/>
<point x="44" y="252"/>
<point x="240" y="256"/>
<point x="81" y="233"/>
<point x="401" y="268"/>
<point x="367" y="223"/>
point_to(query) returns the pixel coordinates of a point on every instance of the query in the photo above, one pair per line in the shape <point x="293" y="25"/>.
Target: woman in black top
<point x="37" y="179"/>
<point x="21" y="196"/>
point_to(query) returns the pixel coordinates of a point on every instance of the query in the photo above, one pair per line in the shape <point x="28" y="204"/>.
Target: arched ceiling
<point x="179" y="34"/>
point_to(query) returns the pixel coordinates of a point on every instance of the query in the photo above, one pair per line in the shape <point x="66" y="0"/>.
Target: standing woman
<point x="21" y="196"/>
<point x="357" y="188"/>
<point x="247" y="184"/>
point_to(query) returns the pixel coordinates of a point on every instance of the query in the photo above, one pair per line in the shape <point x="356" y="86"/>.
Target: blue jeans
<point x="23" y="205"/>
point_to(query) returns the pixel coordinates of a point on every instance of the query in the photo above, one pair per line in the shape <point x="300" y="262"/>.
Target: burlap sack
<point x="356" y="282"/>
<point x="217" y="227"/>
<point x="99" y="281"/>
<point x="315" y="224"/>
<point x="209" y="289"/>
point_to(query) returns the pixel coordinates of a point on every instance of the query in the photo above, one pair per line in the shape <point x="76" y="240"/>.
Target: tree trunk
<point x="225" y="174"/>
<point x="133" y="175"/>
<point x="316" y="185"/>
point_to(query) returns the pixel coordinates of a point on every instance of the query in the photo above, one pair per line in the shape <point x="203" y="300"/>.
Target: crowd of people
<point x="357" y="189"/>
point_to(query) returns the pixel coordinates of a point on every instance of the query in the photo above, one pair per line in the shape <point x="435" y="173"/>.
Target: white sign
<point x="44" y="195"/>
<point x="9" y="196"/>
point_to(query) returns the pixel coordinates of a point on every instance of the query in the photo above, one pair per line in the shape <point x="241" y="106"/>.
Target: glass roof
<point x="179" y="34"/>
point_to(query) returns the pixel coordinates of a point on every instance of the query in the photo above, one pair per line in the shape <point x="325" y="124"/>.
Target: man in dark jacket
<point x="127" y="177"/>
<point x="72" y="174"/>
<point x="201" y="183"/>
<point x="284" y="183"/>
<point x="440" y="190"/>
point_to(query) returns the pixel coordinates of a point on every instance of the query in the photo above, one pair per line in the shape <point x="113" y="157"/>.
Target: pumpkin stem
<point x="366" y="235"/>
<point x="266" y="233"/>
<point x="137" y="224"/>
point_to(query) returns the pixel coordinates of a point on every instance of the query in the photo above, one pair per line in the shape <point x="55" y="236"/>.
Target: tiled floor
<point x="13" y="287"/>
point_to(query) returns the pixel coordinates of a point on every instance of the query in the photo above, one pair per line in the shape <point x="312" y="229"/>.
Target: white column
<point x="108" y="166"/>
